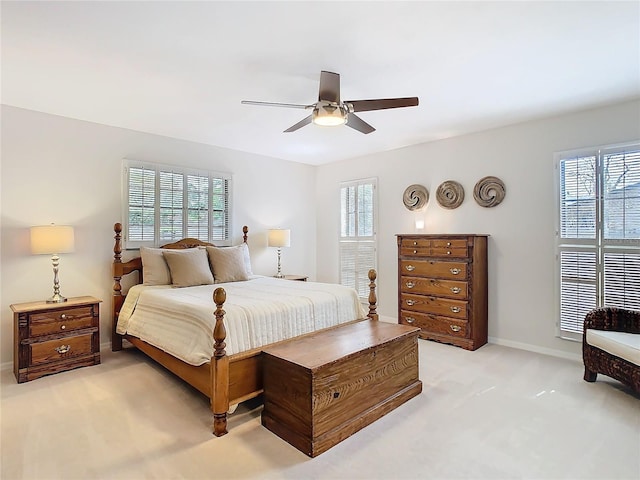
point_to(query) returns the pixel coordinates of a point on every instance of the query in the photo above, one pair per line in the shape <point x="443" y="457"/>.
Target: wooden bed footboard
<point x="227" y="379"/>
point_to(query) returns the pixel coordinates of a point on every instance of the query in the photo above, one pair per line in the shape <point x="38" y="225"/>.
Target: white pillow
<point x="247" y="259"/>
<point x="155" y="270"/>
<point x="188" y="267"/>
<point x="228" y="263"/>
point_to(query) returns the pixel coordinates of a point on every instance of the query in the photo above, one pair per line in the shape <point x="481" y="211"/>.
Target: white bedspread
<point x="259" y="311"/>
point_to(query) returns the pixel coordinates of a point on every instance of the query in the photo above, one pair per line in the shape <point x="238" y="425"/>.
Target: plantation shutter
<point x="599" y="233"/>
<point x="357" y="241"/>
<point x="164" y="204"/>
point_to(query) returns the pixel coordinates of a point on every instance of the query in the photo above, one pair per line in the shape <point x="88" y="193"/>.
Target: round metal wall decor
<point x="489" y="192"/>
<point x="450" y="194"/>
<point x="415" y="197"/>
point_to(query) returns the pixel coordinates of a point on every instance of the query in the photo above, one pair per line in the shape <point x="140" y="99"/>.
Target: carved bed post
<point x="245" y="230"/>
<point x="373" y="300"/>
<point x="219" y="368"/>
<point x="118" y="299"/>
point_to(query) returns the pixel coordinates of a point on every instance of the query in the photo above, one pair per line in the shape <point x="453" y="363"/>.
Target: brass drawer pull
<point x="411" y="302"/>
<point x="410" y="268"/>
<point x="448" y="252"/>
<point x="415" y="243"/>
<point x="455" y="328"/>
<point x="62" y="349"/>
<point x="410" y="284"/>
<point x="456" y="289"/>
<point x="62" y="327"/>
<point x="415" y="251"/>
<point x="455" y="309"/>
<point x="64" y="316"/>
<point x="448" y="244"/>
<point x="410" y="319"/>
<point x="455" y="271"/>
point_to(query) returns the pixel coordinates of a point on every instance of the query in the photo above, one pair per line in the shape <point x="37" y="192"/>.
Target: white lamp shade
<point x="52" y="239"/>
<point x="280" y="237"/>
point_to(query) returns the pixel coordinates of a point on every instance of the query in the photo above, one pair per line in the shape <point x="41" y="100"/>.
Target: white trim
<point x="536" y="349"/>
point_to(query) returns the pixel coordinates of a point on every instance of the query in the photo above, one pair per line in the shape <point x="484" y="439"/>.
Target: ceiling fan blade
<point x="300" y="124"/>
<point x="272" y="104"/>
<point x="357" y="123"/>
<point x="382" y="103"/>
<point x="329" y="87"/>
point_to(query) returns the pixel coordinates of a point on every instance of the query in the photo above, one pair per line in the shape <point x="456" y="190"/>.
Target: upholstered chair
<point x="611" y="345"/>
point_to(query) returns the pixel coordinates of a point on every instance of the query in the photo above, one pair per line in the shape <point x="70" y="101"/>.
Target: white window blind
<point x="357" y="234"/>
<point x="599" y="233"/>
<point x="164" y="204"/>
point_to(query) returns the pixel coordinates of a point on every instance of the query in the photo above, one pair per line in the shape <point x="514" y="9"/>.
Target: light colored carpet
<point x="494" y="413"/>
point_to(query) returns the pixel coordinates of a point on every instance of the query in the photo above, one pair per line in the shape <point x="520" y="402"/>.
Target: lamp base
<point x="57" y="298"/>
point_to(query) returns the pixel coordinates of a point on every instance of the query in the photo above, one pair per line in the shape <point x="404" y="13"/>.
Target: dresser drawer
<point x="435" y="305"/>
<point x="434" y="286"/>
<point x="434" y="268"/>
<point x="60" y="321"/>
<point x="59" y="349"/>
<point x="436" y="324"/>
<point x="418" y="247"/>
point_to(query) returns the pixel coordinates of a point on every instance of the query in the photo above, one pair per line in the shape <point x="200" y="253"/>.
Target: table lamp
<point x="53" y="240"/>
<point x="279" y="237"/>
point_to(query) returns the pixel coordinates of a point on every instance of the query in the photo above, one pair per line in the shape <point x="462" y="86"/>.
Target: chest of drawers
<point x="55" y="337"/>
<point x="442" y="287"/>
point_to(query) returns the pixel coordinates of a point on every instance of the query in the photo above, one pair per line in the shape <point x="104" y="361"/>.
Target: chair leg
<point x="589" y="376"/>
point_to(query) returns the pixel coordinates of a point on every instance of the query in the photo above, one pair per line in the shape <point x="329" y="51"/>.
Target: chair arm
<point x="612" y="318"/>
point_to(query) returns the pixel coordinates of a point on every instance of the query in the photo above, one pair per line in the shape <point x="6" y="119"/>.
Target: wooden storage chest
<point x="442" y="287"/>
<point x="320" y="389"/>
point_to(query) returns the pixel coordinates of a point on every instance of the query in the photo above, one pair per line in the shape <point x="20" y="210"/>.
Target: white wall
<point x="522" y="234"/>
<point x="65" y="171"/>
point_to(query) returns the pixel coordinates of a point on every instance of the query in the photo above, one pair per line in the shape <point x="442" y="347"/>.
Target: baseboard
<point x="533" y="348"/>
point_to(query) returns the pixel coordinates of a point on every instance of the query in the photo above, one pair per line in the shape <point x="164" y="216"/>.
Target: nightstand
<point x="299" y="278"/>
<point x="54" y="337"/>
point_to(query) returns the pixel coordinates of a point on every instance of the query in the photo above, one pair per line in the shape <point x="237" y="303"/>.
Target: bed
<point x="227" y="379"/>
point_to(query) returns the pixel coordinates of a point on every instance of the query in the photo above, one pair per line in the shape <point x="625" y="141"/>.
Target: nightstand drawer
<point x="59" y="349"/>
<point x="60" y="321"/>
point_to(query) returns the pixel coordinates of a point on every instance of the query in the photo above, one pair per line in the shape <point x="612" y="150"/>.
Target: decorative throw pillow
<point x="154" y="267"/>
<point x="188" y="267"/>
<point x="228" y="263"/>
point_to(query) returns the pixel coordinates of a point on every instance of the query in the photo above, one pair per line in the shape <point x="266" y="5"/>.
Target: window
<point x="357" y="234"/>
<point x="598" y="233"/>
<point x="164" y="204"/>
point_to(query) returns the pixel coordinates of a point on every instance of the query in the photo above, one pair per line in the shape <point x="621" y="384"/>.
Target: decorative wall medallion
<point x="489" y="192"/>
<point x="450" y="194"/>
<point x="415" y="197"/>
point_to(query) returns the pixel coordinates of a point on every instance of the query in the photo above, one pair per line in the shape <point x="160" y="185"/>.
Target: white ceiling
<point x="180" y="69"/>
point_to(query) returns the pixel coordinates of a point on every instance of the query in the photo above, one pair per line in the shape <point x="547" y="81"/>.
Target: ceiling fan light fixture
<point x="329" y="115"/>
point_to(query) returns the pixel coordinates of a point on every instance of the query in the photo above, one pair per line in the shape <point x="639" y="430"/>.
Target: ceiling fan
<point x="329" y="110"/>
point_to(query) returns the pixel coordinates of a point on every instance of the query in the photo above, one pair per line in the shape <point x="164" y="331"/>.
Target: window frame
<point x="185" y="172"/>
<point x="599" y="246"/>
<point x="361" y="277"/>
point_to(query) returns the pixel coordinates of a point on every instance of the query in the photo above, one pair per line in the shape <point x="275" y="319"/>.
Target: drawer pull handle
<point x="62" y="327"/>
<point x="415" y="251"/>
<point x="448" y="244"/>
<point x="455" y="309"/>
<point x="410" y="319"/>
<point x="410" y="268"/>
<point x="455" y="328"/>
<point x="64" y="316"/>
<point x="415" y="243"/>
<point x="410" y="284"/>
<point x="456" y="289"/>
<point x="455" y="271"/>
<point x="411" y="302"/>
<point x="448" y="252"/>
<point x="62" y="349"/>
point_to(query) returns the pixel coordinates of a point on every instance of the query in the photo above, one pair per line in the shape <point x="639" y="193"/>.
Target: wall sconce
<point x="420" y="224"/>
<point x="279" y="237"/>
<point x="53" y="240"/>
